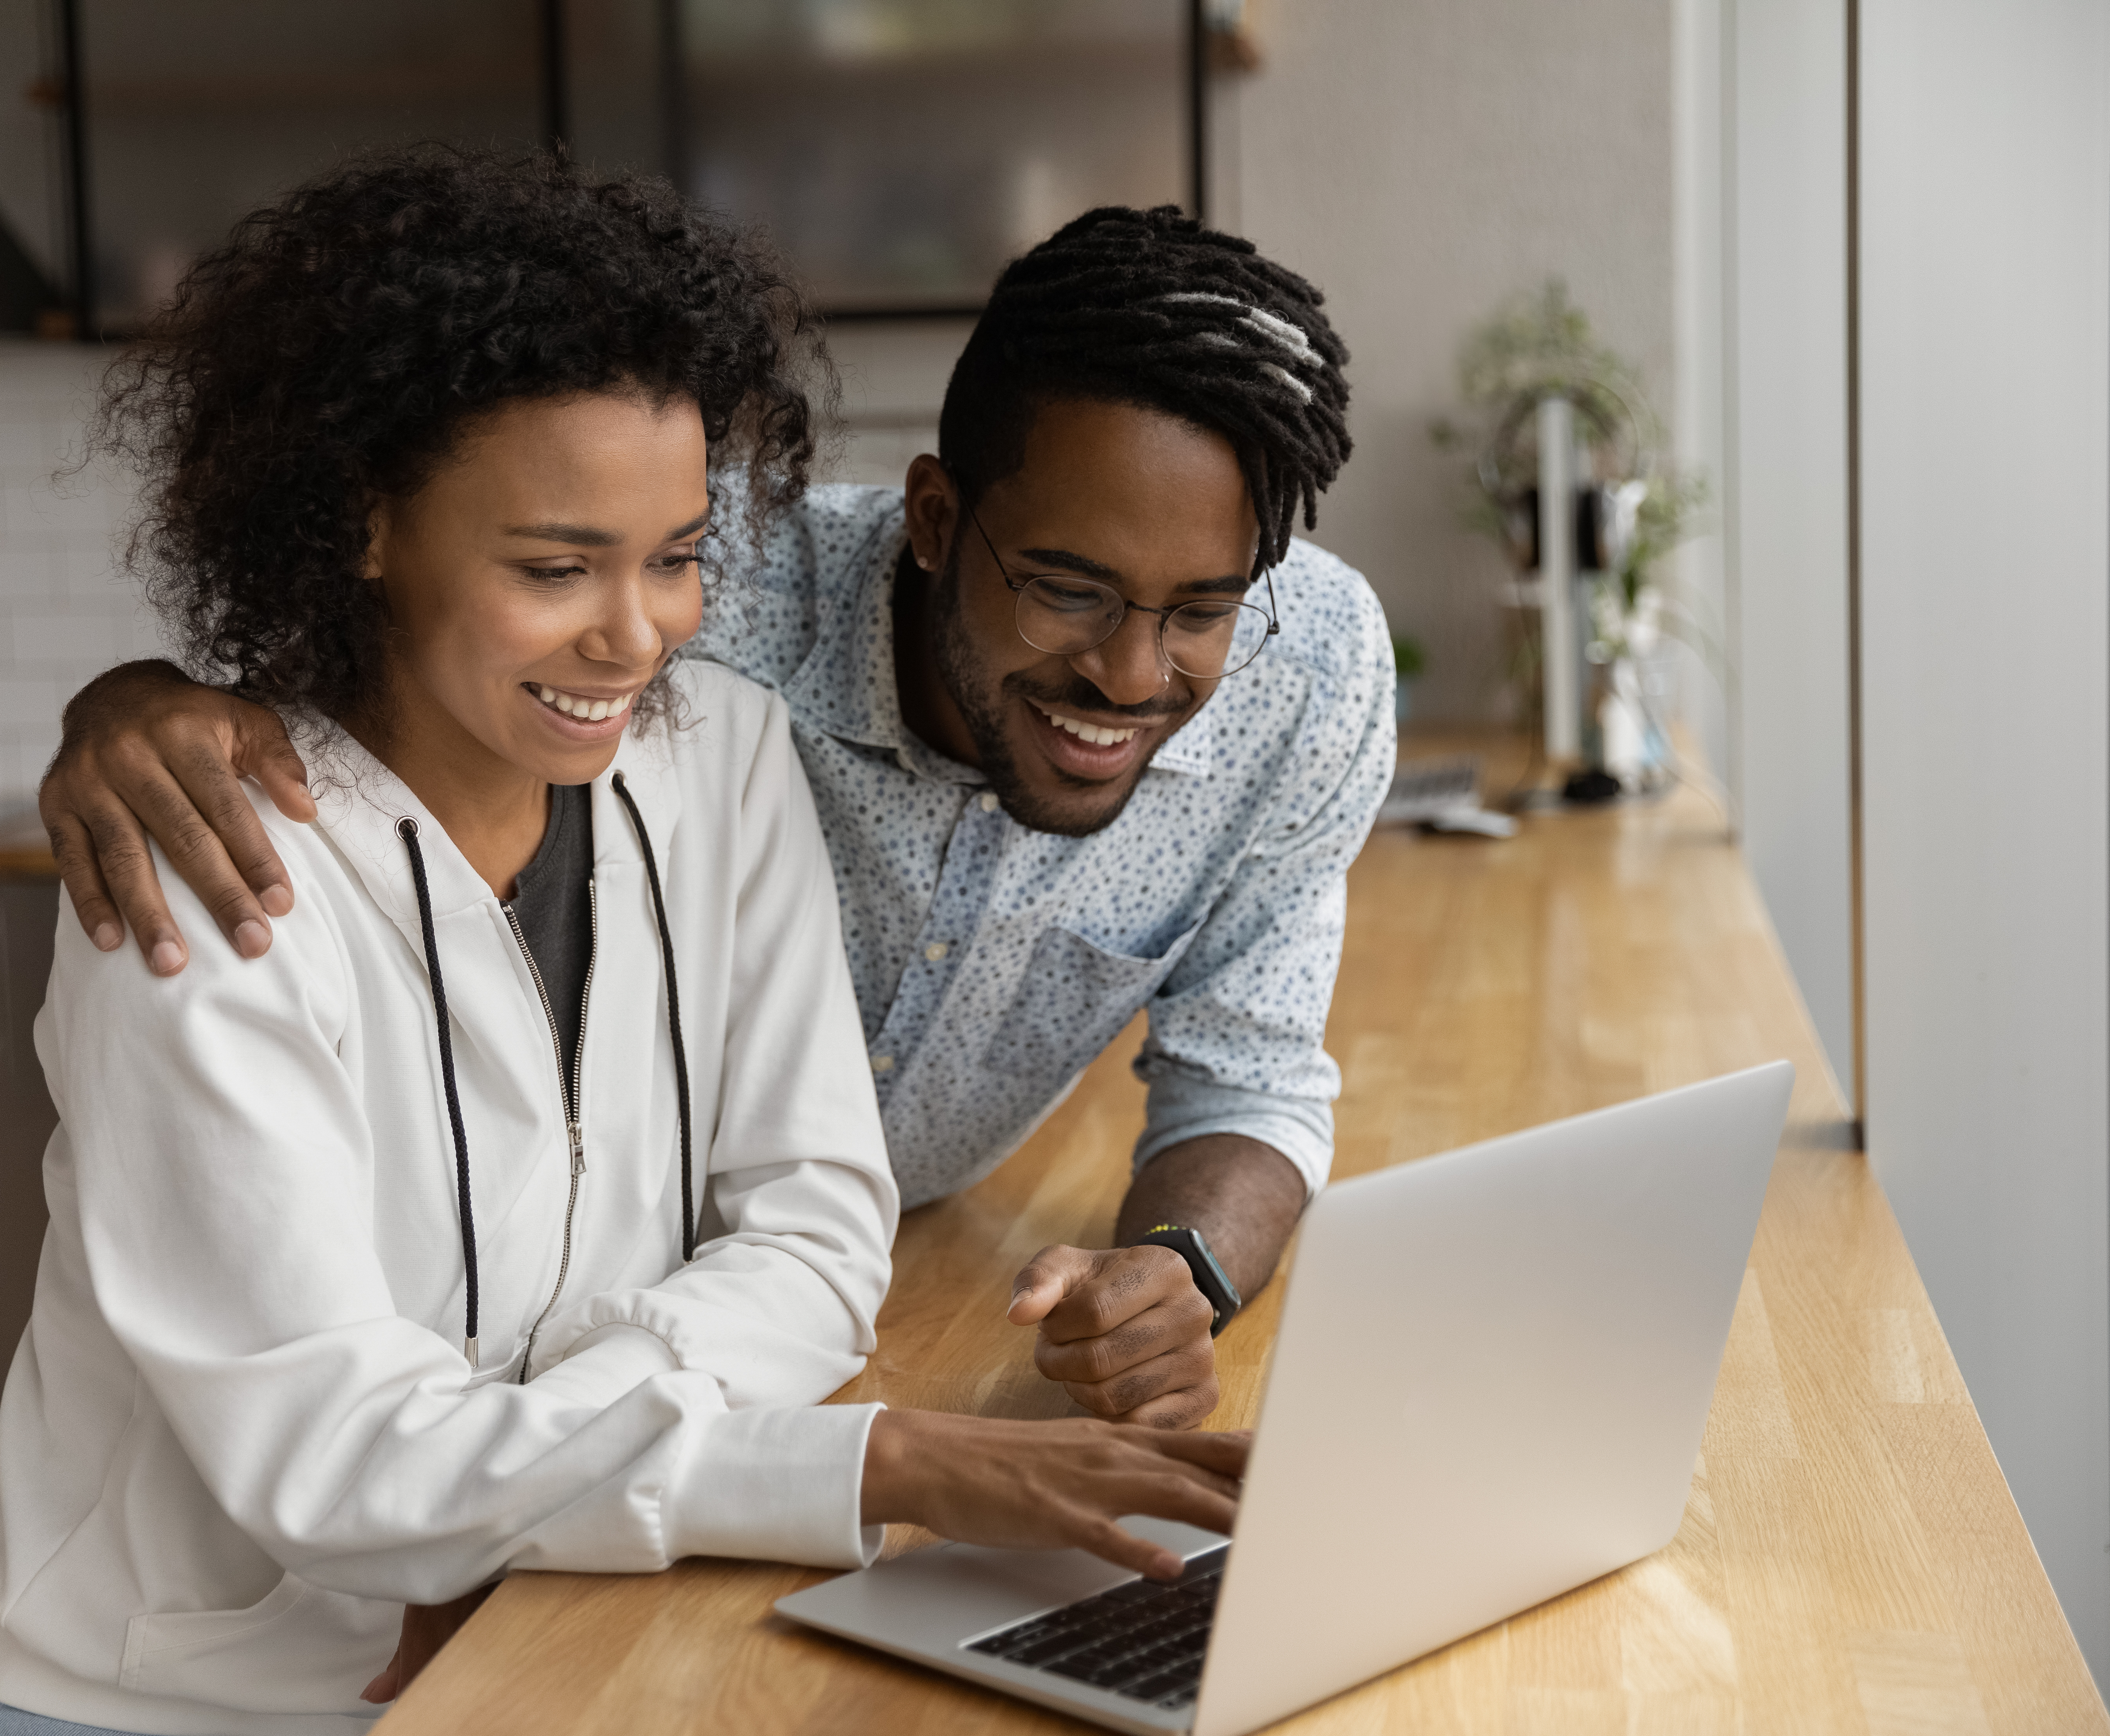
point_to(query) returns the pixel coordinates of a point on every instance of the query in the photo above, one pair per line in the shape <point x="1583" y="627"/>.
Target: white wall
<point x="893" y="374"/>
<point x="65" y="611"/>
<point x="1701" y="317"/>
<point x="1784" y="119"/>
<point x="1986" y="334"/>
<point x="1421" y="161"/>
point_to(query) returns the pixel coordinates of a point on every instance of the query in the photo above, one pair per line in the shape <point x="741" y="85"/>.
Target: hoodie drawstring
<point x="673" y="1015"/>
<point x="406" y="829"/>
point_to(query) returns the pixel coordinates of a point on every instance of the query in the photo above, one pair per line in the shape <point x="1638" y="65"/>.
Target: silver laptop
<point x="1492" y="1375"/>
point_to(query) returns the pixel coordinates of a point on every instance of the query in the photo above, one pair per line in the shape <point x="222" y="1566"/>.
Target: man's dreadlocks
<point x="1150" y="308"/>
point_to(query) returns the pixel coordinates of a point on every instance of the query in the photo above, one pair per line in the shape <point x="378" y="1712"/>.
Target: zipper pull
<point x="578" y="1133"/>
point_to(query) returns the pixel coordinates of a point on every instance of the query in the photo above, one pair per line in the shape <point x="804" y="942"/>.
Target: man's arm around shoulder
<point x="147" y="752"/>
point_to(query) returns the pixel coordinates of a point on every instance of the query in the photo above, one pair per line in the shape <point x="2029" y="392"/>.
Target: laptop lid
<point x="1492" y="1375"/>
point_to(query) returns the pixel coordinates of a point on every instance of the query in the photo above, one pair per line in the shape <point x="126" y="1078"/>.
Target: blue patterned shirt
<point x="993" y="962"/>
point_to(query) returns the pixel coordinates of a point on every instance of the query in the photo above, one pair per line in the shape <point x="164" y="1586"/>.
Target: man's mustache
<point x="1081" y="696"/>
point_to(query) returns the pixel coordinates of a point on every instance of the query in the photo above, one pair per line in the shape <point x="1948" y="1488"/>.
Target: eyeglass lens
<point x="1207" y="639"/>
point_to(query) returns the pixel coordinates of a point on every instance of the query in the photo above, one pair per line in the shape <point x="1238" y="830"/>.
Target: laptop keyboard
<point x="1145" y="1640"/>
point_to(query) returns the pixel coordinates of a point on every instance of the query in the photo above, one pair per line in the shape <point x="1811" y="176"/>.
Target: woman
<point x="518" y="1207"/>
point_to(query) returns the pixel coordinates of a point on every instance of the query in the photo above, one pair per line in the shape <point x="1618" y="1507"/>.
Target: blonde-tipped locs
<point x="1150" y="308"/>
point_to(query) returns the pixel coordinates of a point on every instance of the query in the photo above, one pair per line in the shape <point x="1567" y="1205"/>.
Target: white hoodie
<point x="241" y="1432"/>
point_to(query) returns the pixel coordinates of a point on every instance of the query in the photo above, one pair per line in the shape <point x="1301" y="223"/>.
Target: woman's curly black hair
<point x="327" y="355"/>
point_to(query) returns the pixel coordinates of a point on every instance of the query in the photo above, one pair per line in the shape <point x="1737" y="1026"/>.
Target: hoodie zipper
<point x="566" y="1091"/>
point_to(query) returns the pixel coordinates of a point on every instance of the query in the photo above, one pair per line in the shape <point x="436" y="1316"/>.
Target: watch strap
<point x="1210" y="1277"/>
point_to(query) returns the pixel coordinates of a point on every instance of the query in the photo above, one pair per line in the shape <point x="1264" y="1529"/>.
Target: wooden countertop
<point x="27" y="861"/>
<point x="1851" y="1560"/>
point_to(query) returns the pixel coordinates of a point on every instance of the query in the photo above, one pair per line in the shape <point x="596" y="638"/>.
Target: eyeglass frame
<point x="1018" y="587"/>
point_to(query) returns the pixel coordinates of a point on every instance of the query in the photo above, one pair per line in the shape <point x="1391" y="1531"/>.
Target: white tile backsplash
<point x="66" y="610"/>
<point x="76" y="635"/>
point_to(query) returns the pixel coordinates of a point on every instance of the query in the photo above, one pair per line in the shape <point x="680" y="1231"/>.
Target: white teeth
<point x="1091" y="732"/>
<point x="577" y="705"/>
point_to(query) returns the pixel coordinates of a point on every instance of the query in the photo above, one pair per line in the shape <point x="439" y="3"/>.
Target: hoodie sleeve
<point x="215" y="1140"/>
<point x="799" y="1203"/>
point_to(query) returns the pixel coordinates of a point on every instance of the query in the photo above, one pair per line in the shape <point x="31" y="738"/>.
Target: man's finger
<point x="1044" y="1281"/>
<point x="1130" y="1282"/>
<point x="127" y="864"/>
<point x="1172" y="1412"/>
<point x="168" y="809"/>
<point x="1180" y="1370"/>
<point x="237" y="836"/>
<point x="74" y="852"/>
<point x="1178" y="1322"/>
<point x="261" y="751"/>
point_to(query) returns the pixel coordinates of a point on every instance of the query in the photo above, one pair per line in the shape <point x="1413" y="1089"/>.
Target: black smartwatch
<point x="1210" y="1278"/>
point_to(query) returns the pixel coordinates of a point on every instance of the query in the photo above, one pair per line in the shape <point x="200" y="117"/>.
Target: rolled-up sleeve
<point x="1236" y="1040"/>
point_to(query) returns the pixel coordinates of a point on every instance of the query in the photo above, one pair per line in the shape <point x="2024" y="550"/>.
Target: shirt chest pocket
<point x="1074" y="1000"/>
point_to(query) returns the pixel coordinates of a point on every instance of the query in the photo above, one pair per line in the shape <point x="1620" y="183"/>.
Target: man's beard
<point x="983" y="713"/>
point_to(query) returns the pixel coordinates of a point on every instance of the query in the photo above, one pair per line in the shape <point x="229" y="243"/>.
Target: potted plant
<point x="1632" y="508"/>
<point x="1408" y="660"/>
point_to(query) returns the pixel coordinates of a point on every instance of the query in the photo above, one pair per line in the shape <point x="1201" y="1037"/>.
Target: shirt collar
<point x="847" y="686"/>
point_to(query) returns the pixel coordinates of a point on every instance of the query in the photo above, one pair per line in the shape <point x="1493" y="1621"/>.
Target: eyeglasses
<point x="1065" y="617"/>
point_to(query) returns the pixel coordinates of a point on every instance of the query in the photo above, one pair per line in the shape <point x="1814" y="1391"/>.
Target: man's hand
<point x="1124" y="1330"/>
<point x="1049" y="1485"/>
<point x="426" y="1628"/>
<point x="148" y="750"/>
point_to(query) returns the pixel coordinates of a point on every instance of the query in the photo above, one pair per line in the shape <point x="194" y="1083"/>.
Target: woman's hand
<point x="1049" y="1485"/>
<point x="426" y="1628"/>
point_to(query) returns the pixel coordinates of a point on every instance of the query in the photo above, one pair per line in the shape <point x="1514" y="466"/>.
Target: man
<point x="1088" y="731"/>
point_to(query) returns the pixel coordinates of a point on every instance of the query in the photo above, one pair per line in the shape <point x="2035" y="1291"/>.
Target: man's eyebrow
<point x="591" y="537"/>
<point x="1069" y="563"/>
<point x="1085" y="565"/>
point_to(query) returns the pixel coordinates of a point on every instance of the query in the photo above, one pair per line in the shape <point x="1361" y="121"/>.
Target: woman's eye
<point x="668" y="565"/>
<point x="553" y="572"/>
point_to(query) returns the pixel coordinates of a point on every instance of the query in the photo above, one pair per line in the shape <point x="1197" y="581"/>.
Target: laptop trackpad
<point x="933" y="1599"/>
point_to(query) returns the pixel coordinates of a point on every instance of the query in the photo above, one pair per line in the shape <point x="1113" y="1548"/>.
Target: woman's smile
<point x="582" y="716"/>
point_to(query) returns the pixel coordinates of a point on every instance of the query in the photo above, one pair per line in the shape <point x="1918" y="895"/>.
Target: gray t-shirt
<point x="555" y="910"/>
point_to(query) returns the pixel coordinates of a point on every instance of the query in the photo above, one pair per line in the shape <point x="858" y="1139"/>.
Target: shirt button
<point x="989" y="802"/>
<point x="882" y="1063"/>
<point x="936" y="951"/>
